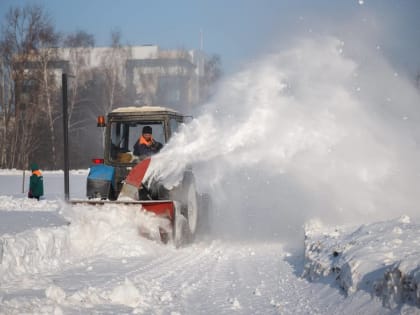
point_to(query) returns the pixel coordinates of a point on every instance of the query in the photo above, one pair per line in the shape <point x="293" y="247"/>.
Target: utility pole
<point x="66" y="136"/>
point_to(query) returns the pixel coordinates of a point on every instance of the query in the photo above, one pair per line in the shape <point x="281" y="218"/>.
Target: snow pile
<point x="381" y="258"/>
<point x="109" y="230"/>
<point x="138" y="296"/>
<point x="123" y="294"/>
<point x="33" y="251"/>
<point x="110" y="224"/>
<point x="126" y="294"/>
<point x="55" y="293"/>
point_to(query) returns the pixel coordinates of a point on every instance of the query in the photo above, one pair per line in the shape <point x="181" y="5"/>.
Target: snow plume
<point x="310" y="132"/>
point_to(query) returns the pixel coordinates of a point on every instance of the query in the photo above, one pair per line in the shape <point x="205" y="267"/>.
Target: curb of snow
<point x="381" y="258"/>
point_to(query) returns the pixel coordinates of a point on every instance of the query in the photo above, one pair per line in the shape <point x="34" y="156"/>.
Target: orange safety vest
<point x="144" y="141"/>
<point x="37" y="173"/>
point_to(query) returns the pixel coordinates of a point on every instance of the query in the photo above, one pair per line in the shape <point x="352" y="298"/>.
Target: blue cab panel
<point x="100" y="182"/>
<point x="101" y="172"/>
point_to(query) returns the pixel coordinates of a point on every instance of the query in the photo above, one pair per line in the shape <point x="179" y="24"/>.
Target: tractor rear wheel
<point x="182" y="233"/>
<point x="189" y="207"/>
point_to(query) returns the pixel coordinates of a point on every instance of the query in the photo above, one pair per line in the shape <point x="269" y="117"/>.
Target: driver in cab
<point x="146" y="145"/>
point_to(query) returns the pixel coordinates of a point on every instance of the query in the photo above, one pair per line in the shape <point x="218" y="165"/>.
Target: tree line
<point x="31" y="94"/>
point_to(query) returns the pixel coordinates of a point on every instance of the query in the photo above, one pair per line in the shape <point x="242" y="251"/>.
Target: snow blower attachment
<point x="178" y="206"/>
<point x="119" y="177"/>
<point x="174" y="212"/>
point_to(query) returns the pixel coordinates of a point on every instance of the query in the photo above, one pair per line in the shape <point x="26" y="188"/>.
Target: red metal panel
<point x="135" y="177"/>
<point x="161" y="208"/>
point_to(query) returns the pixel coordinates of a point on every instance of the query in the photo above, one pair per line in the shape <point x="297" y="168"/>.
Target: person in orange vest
<point x="36" y="183"/>
<point x="146" y="145"/>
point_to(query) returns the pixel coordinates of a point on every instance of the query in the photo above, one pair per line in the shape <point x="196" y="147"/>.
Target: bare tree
<point x="79" y="46"/>
<point x="47" y="55"/>
<point x="6" y="109"/>
<point x="78" y="50"/>
<point x="24" y="32"/>
<point x="164" y="79"/>
<point x="113" y="66"/>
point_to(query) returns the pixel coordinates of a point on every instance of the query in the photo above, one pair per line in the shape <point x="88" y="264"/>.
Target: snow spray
<point x="305" y="133"/>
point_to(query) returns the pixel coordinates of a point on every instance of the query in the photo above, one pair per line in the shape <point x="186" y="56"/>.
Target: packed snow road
<point x="214" y="278"/>
<point x="206" y="278"/>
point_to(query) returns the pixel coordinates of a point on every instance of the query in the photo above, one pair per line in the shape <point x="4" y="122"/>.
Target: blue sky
<point x="241" y="30"/>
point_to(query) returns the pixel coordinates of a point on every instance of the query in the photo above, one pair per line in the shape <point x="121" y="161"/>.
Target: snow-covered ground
<point x="57" y="259"/>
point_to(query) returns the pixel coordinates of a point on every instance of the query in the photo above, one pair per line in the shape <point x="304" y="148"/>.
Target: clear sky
<point x="240" y="30"/>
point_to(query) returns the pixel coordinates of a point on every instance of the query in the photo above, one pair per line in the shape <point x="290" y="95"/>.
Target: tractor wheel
<point x="112" y="194"/>
<point x="182" y="233"/>
<point x="205" y="206"/>
<point x="189" y="207"/>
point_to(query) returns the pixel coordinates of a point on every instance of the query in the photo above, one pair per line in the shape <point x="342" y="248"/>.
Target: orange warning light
<point x="101" y="121"/>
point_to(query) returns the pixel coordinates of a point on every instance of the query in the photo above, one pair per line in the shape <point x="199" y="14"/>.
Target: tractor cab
<point x="123" y="128"/>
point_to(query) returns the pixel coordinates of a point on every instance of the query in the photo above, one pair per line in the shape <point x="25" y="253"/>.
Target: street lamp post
<point x="66" y="136"/>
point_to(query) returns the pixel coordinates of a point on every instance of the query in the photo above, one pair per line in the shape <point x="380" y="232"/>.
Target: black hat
<point x="147" y="129"/>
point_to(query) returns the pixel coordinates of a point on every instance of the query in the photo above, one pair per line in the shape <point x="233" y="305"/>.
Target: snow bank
<point x="381" y="258"/>
<point x="33" y="251"/>
<point x="109" y="230"/>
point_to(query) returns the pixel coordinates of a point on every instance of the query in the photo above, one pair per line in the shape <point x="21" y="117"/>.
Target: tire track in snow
<point x="180" y="281"/>
<point x="234" y="277"/>
<point x="221" y="271"/>
<point x="172" y="281"/>
<point x="155" y="274"/>
<point x="240" y="281"/>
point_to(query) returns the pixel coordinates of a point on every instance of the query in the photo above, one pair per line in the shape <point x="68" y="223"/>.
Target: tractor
<point x="120" y="173"/>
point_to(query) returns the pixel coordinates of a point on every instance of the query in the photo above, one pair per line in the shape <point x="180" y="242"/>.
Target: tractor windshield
<point x="124" y="136"/>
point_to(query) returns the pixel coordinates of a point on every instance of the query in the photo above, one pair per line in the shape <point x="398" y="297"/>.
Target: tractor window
<point x="119" y="132"/>
<point x="174" y="125"/>
<point x="125" y="134"/>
